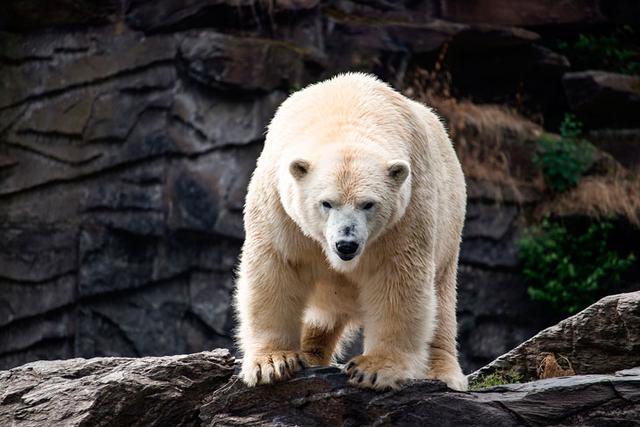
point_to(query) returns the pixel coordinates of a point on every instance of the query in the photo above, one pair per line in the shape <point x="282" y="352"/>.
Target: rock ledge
<point x="200" y="389"/>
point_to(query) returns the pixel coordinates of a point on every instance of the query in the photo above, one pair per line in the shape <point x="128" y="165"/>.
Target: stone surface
<point x="112" y="391"/>
<point x="22" y="15"/>
<point x="603" y="338"/>
<point x="199" y="389"/>
<point x="603" y="99"/>
<point x="622" y="144"/>
<point x="150" y="16"/>
<point x="537" y="12"/>
<point x="324" y="398"/>
<point x="129" y="129"/>
<point x="244" y="63"/>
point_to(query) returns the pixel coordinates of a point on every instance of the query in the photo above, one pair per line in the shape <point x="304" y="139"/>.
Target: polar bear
<point x="353" y="219"/>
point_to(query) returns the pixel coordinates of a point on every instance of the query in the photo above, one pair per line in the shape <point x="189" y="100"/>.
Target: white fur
<point x="349" y="141"/>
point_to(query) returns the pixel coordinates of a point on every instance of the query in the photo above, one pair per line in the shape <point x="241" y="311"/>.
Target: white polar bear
<point x="353" y="219"/>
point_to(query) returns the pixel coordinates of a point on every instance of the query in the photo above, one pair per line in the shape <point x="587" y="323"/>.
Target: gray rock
<point x="112" y="55"/>
<point x="603" y="99"/>
<point x="243" y="63"/>
<point x="51" y="248"/>
<point x="128" y="132"/>
<point x="495" y="314"/>
<point x="29" y="333"/>
<point x="491" y="192"/>
<point x="208" y="195"/>
<point x="199" y="389"/>
<point x="530" y="13"/>
<point x="32" y="14"/>
<point x="150" y="16"/>
<point x="19" y="299"/>
<point x="322" y="397"/>
<point x="219" y="121"/>
<point x="49" y="349"/>
<point x="603" y="338"/>
<point x="112" y="391"/>
<point x="156" y="320"/>
<point x="622" y="144"/>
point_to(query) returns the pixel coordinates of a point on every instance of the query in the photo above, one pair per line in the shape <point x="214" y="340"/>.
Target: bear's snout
<point x="346" y="249"/>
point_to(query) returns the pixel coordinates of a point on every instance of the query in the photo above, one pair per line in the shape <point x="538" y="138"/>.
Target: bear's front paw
<point x="268" y="368"/>
<point x="378" y="372"/>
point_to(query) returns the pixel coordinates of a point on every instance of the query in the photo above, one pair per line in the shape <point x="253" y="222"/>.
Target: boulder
<point x="243" y="63"/>
<point x="622" y="144"/>
<point x="529" y="13"/>
<point x="603" y="99"/>
<point x="24" y="15"/>
<point x="601" y="339"/>
<point x="112" y="391"/>
<point x="199" y="389"/>
<point x="166" y="15"/>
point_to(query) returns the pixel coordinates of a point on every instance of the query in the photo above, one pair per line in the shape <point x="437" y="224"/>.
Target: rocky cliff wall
<point x="129" y="129"/>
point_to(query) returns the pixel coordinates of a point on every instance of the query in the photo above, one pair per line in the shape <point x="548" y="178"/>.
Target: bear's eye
<point x="326" y="205"/>
<point x="368" y="206"/>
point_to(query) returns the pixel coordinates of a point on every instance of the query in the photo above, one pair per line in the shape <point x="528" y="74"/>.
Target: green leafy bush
<point x="570" y="270"/>
<point x="564" y="160"/>
<point x="615" y="52"/>
<point x="495" y="379"/>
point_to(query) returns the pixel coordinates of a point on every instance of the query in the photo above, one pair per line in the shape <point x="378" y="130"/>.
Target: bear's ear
<point x="398" y="171"/>
<point x="299" y="168"/>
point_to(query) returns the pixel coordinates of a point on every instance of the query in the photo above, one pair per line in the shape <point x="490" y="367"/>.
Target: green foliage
<point x="496" y="378"/>
<point x="615" y="52"/>
<point x="563" y="161"/>
<point x="570" y="270"/>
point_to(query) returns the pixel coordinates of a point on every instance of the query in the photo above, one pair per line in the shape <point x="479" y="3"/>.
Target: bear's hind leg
<point x="443" y="362"/>
<point x="319" y="342"/>
<point x="329" y="319"/>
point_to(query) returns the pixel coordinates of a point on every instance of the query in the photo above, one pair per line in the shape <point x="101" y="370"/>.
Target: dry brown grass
<point x="616" y="194"/>
<point x="552" y="367"/>
<point x="493" y="142"/>
<point x="497" y="145"/>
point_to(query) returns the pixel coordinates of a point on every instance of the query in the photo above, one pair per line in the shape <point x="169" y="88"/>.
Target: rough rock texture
<point x="112" y="391"/>
<point x="622" y="144"/>
<point x="129" y="129"/>
<point x="199" y="389"/>
<point x="604" y="99"/>
<point x="603" y="338"/>
<point x="323" y="398"/>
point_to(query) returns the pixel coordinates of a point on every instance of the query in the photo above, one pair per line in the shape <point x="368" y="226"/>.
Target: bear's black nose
<point x="346" y="247"/>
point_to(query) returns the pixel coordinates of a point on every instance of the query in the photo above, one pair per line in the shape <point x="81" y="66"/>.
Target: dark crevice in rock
<point x="52" y="157"/>
<point x="120" y="167"/>
<point x="123" y="210"/>
<point x="122" y="74"/>
<point x="115" y="326"/>
<point x="26" y="282"/>
<point x="50" y="134"/>
<point x="17" y="62"/>
<point x="177" y="120"/>
<point x="40" y="343"/>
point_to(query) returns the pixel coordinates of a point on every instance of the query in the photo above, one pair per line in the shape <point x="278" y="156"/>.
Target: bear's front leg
<point x="399" y="316"/>
<point x="270" y="300"/>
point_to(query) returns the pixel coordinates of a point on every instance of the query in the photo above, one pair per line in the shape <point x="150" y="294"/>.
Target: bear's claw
<point x="375" y="372"/>
<point x="271" y="367"/>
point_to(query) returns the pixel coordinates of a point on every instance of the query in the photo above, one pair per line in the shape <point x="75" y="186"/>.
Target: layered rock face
<point x="129" y="130"/>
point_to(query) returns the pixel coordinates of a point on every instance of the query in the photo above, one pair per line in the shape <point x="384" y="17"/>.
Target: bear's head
<point x="345" y="197"/>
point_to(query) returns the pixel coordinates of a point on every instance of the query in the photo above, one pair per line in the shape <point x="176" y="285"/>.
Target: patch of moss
<point x="496" y="378"/>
